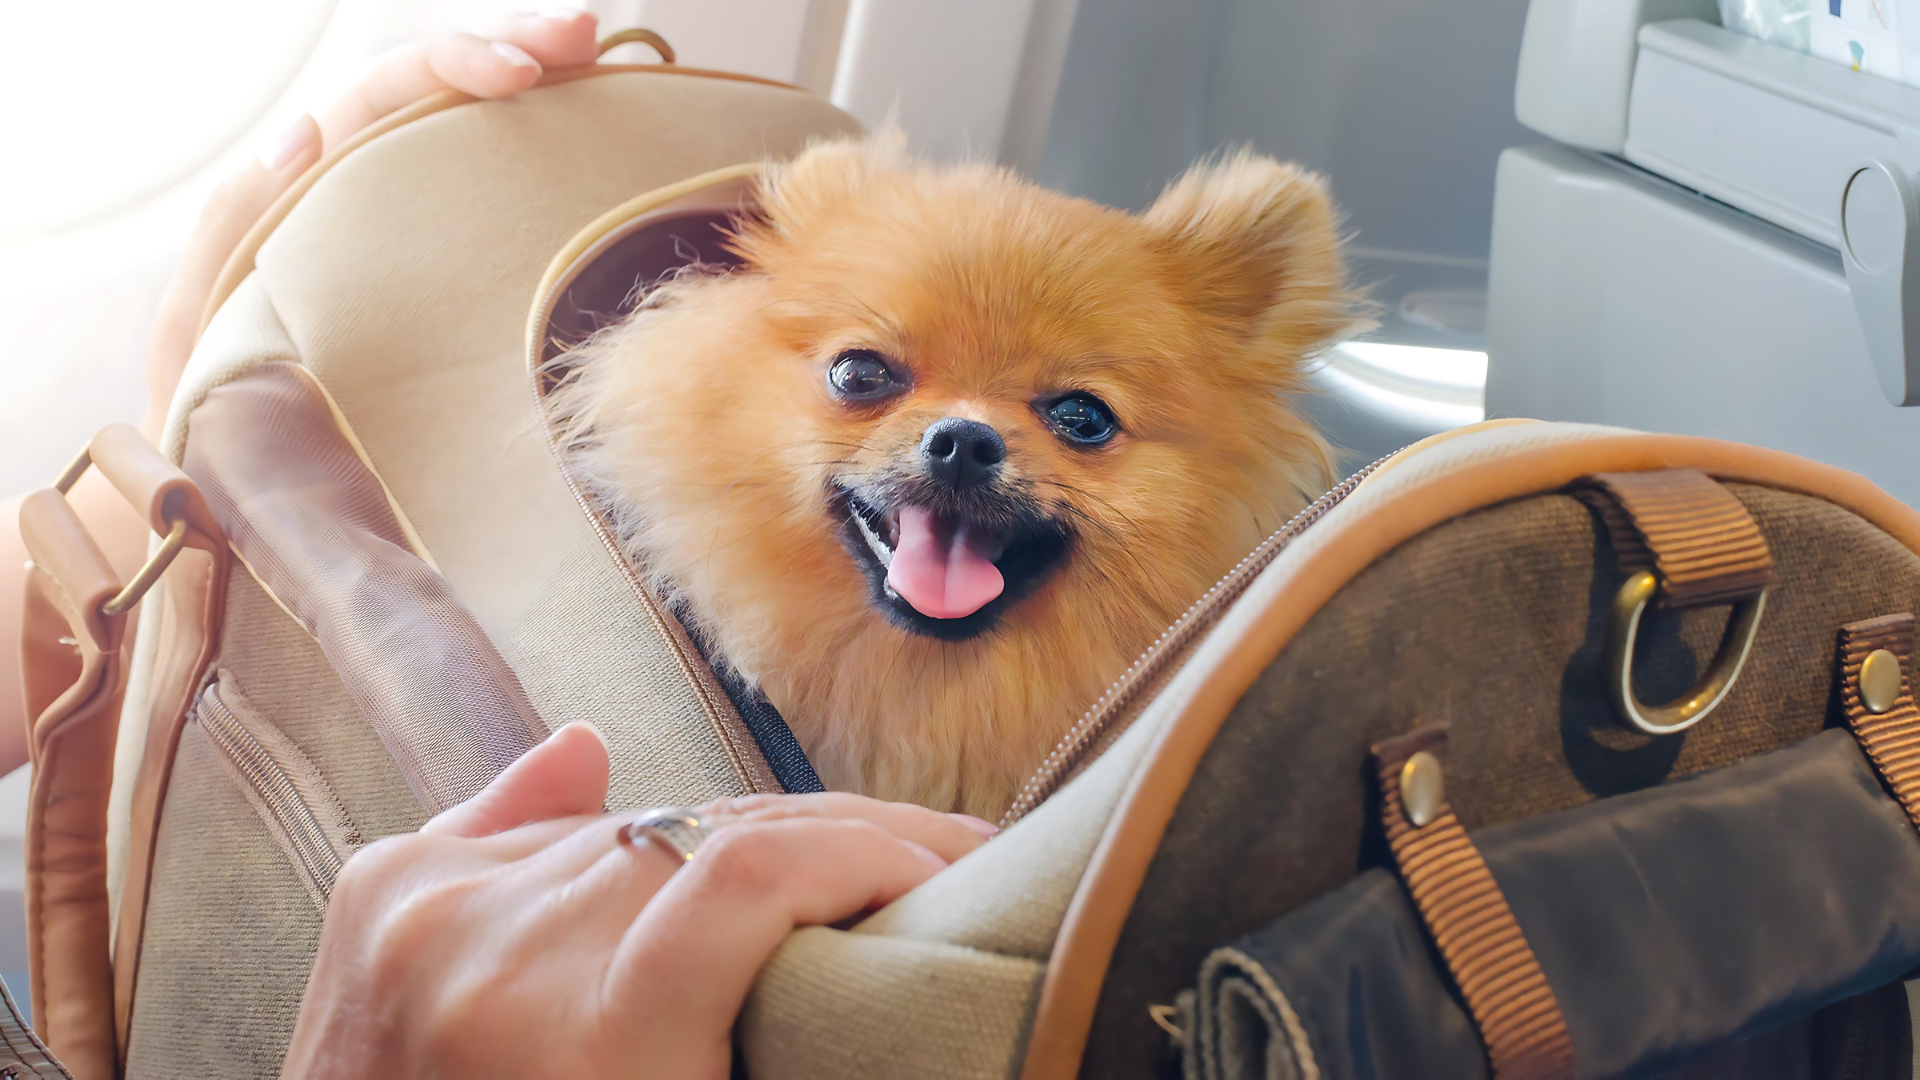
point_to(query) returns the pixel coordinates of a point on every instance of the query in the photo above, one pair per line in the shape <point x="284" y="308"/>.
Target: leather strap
<point x="74" y="675"/>
<point x="1704" y="546"/>
<point x="1467" y="914"/>
<point x="1891" y="738"/>
<point x="150" y="483"/>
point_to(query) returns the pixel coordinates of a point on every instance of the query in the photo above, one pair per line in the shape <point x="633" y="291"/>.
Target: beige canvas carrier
<point x="386" y="587"/>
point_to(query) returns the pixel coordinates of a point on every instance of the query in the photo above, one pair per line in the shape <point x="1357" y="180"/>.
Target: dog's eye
<point x="1083" y="418"/>
<point x="860" y="374"/>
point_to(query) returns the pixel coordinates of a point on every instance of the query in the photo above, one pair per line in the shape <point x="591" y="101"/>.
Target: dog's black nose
<point x="962" y="453"/>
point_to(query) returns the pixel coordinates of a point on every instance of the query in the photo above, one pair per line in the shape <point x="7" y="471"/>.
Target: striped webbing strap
<point x="22" y="1054"/>
<point x="1890" y="738"/>
<point x="1507" y="993"/>
<point x="1693" y="532"/>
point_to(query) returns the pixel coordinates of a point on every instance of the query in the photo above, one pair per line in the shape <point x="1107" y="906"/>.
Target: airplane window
<point x="138" y="104"/>
<point x="1415" y="387"/>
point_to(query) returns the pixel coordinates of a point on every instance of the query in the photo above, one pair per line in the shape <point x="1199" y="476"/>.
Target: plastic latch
<point x="1880" y="245"/>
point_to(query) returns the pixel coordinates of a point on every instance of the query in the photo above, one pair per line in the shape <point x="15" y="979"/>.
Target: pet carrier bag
<point x="1536" y="750"/>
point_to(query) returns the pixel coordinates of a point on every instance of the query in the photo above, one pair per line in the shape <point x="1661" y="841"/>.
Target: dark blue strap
<point x="769" y="729"/>
<point x="777" y="744"/>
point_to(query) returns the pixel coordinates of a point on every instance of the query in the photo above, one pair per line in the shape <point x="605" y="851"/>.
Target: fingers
<point x="947" y="835"/>
<point x="509" y="63"/>
<point x="566" y="847"/>
<point x="461" y="62"/>
<point x="229" y="213"/>
<point x="612" y="888"/>
<point x="559" y="39"/>
<point x="565" y="776"/>
<point x="694" y="951"/>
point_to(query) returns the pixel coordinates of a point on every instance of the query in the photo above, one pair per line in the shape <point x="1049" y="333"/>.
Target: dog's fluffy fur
<point x="707" y="424"/>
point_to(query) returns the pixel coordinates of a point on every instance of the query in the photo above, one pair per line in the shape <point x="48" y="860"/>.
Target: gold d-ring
<point x="637" y="35"/>
<point x="1695" y="704"/>
<point x="156" y="564"/>
<point x="149" y="572"/>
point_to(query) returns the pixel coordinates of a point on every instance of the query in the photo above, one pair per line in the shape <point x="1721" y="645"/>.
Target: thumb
<point x="562" y="777"/>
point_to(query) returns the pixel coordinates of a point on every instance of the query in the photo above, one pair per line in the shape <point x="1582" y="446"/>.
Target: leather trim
<point x="1411" y="451"/>
<point x="1516" y="1012"/>
<point x="189" y="639"/>
<point x="240" y="263"/>
<point x="730" y="189"/>
<point x="1095" y="917"/>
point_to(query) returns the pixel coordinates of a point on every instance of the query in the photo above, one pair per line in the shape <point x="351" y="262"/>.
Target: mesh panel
<point x="314" y="525"/>
<point x="288" y="680"/>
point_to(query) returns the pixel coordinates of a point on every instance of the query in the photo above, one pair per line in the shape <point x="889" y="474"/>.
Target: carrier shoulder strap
<point x="74" y="676"/>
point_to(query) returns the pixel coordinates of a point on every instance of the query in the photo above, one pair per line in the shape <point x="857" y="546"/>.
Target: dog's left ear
<point x="1257" y="242"/>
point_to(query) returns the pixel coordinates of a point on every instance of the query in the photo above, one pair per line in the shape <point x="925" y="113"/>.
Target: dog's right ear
<point x="816" y="186"/>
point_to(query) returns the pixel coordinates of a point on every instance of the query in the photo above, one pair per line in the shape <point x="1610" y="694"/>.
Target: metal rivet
<point x="1422" y="789"/>
<point x="1879" y="680"/>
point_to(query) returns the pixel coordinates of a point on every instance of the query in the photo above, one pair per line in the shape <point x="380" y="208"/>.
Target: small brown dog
<point x="947" y="450"/>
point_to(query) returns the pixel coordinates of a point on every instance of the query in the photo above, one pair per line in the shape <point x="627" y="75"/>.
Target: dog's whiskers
<point x="1085" y="494"/>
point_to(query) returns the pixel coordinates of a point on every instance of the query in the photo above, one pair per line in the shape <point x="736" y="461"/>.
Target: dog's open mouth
<point x="943" y="574"/>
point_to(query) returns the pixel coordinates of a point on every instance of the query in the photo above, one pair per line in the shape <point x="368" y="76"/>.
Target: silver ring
<point x="675" y="829"/>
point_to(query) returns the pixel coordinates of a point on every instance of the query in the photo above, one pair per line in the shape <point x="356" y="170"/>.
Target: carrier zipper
<point x="306" y="838"/>
<point x="1101" y="720"/>
<point x="708" y="691"/>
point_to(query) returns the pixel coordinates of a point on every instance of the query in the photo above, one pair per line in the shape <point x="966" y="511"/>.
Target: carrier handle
<point x="637" y="35"/>
<point x="1684" y="541"/>
<point x="156" y="487"/>
<point x="75" y="620"/>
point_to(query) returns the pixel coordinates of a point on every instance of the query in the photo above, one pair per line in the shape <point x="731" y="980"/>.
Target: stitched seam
<point x="1296" y="1032"/>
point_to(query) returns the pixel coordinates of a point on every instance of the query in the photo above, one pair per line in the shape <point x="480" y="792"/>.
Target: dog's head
<point x="956" y="402"/>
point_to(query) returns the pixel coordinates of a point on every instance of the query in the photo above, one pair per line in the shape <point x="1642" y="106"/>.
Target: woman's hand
<point x="501" y="64"/>
<point x="518" y="935"/>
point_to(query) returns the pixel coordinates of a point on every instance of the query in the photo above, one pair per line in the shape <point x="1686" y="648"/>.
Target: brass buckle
<point x="1693" y="706"/>
<point x="156" y="564"/>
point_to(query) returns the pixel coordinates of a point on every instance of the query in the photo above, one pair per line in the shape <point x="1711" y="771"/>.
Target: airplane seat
<point x="1714" y="241"/>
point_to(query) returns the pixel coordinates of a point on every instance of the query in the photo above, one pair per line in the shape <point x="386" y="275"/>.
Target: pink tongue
<point x="940" y="569"/>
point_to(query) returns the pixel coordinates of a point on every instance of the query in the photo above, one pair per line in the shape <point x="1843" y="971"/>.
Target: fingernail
<point x="597" y="733"/>
<point x="290" y="145"/>
<point x="986" y="829"/>
<point x="515" y="55"/>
